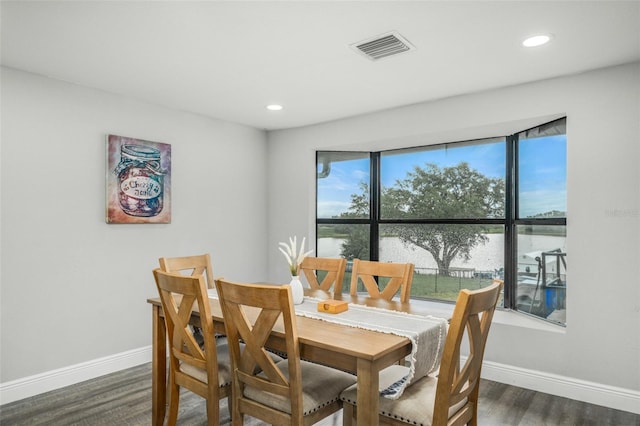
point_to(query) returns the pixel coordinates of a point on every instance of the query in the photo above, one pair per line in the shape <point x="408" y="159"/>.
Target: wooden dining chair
<point x="398" y="277"/>
<point x="289" y="392"/>
<point x="195" y="265"/>
<point x="332" y="268"/>
<point x="205" y="371"/>
<point x="451" y="399"/>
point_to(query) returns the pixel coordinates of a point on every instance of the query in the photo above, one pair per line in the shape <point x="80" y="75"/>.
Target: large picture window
<point x="463" y="213"/>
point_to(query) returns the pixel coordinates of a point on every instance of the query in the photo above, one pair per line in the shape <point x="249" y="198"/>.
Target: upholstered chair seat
<point x="412" y="407"/>
<point x="321" y="386"/>
<point x="224" y="367"/>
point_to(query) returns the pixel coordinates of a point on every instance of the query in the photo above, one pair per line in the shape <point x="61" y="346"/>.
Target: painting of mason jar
<point x="138" y="181"/>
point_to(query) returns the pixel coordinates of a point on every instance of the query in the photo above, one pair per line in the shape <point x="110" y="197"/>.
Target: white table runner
<point x="427" y="335"/>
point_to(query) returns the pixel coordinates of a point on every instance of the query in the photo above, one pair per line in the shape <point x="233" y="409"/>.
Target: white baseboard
<point x="581" y="390"/>
<point x="55" y="379"/>
<point x="593" y="393"/>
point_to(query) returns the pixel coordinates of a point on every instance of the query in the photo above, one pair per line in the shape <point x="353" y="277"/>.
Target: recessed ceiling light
<point x="274" y="107"/>
<point x="536" y="40"/>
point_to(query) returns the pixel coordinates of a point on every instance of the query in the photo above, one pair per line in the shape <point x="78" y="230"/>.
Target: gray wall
<point x="73" y="288"/>
<point x="601" y="342"/>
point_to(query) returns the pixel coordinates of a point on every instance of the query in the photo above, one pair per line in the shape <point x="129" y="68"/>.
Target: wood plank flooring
<point x="124" y="398"/>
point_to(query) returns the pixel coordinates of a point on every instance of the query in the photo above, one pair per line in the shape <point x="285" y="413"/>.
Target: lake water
<point x="484" y="257"/>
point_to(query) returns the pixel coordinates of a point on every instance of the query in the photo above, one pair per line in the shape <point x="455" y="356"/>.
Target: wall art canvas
<point x="138" y="181"/>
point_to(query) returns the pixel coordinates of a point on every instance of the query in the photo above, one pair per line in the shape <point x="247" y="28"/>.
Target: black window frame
<point x="511" y="220"/>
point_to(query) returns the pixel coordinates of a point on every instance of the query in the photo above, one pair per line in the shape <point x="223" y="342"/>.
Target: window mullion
<point x="375" y="206"/>
<point x="510" y="252"/>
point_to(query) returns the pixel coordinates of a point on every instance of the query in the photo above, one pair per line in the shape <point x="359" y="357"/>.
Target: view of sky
<point x="542" y="172"/>
<point x="543" y="175"/>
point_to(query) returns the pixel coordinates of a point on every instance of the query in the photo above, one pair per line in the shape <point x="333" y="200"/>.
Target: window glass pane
<point x="343" y="184"/>
<point x="350" y="241"/>
<point x="454" y="181"/>
<point x="542" y="171"/>
<point x="443" y="208"/>
<point x="447" y="257"/>
<point x="542" y="271"/>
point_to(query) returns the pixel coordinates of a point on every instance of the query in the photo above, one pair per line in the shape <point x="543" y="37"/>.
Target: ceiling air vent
<point x="382" y="46"/>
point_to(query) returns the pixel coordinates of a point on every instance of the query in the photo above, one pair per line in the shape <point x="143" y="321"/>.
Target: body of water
<point x="484" y="257"/>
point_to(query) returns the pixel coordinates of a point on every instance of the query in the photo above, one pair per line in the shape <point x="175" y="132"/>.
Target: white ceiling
<point x="229" y="59"/>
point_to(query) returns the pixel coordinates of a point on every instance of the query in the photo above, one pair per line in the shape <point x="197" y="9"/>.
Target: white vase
<point x="296" y="290"/>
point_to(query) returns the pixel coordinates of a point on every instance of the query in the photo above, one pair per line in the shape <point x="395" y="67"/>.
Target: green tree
<point x="356" y="245"/>
<point x="456" y="192"/>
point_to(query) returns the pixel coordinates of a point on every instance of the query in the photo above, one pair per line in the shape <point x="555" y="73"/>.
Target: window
<point x="340" y="190"/>
<point x="540" y="221"/>
<point x="463" y="213"/>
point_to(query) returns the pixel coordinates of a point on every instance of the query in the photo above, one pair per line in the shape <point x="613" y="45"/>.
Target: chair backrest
<point x="459" y="384"/>
<point x="399" y="275"/>
<point x="333" y="269"/>
<point x="179" y="295"/>
<point x="250" y="313"/>
<point x="196" y="265"/>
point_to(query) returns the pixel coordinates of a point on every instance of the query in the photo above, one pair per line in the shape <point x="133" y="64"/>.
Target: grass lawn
<point x="434" y="286"/>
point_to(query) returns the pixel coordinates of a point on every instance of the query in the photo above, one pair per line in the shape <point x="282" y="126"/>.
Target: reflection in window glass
<point x="542" y="271"/>
<point x="542" y="171"/>
<point x="343" y="184"/>
<point x="461" y="180"/>
<point x="447" y="257"/>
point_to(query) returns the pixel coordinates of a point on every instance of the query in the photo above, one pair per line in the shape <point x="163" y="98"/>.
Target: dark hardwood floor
<point x="124" y="398"/>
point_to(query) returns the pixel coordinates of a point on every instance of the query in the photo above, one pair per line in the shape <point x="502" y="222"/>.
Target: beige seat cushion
<point x="415" y="406"/>
<point x="320" y="386"/>
<point x="224" y="365"/>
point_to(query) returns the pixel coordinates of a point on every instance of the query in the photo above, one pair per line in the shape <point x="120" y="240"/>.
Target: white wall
<point x="74" y="288"/>
<point x="601" y="343"/>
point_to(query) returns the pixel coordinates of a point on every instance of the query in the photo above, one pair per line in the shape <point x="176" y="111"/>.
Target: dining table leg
<point x="368" y="384"/>
<point x="158" y="368"/>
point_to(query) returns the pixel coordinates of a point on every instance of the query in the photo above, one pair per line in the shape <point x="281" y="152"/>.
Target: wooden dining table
<point x="360" y="351"/>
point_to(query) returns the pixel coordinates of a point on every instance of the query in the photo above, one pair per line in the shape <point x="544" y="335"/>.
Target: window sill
<point x="501" y="316"/>
<point x="519" y="319"/>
